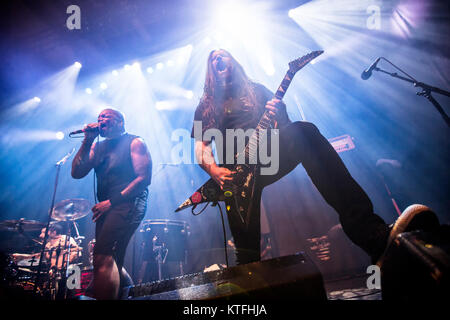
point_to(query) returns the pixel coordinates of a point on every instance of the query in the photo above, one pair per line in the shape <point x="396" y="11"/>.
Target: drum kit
<point x="24" y="273"/>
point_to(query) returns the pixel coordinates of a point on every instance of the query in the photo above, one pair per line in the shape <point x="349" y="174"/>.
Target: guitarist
<point x="231" y="101"/>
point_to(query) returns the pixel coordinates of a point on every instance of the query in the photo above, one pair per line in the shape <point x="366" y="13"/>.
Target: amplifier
<point x="289" y="277"/>
<point x="342" y="143"/>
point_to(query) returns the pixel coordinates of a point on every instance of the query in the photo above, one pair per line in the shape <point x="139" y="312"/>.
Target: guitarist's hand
<point x="221" y="175"/>
<point x="275" y="106"/>
<point x="277" y="109"/>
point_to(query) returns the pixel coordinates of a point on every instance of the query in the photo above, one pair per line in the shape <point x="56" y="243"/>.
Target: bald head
<point x="119" y="115"/>
<point x="112" y="123"/>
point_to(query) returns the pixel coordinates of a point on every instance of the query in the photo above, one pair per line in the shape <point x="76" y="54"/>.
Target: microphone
<point x="89" y="129"/>
<point x="366" y="74"/>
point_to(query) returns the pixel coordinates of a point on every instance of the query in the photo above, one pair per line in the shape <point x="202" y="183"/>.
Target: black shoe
<point x="415" y="217"/>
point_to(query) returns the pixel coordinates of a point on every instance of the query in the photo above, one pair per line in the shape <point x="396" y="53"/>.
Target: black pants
<point x="114" y="229"/>
<point x="301" y="142"/>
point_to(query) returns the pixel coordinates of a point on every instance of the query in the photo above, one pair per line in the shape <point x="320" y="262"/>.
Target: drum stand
<point x="58" y="165"/>
<point x="160" y="251"/>
<point x="62" y="290"/>
<point x="163" y="245"/>
<point x="44" y="242"/>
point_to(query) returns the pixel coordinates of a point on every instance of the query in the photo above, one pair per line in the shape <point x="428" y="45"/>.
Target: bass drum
<point x="170" y="235"/>
<point x="86" y="278"/>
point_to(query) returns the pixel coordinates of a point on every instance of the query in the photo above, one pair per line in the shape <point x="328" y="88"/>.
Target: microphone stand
<point x="58" y="169"/>
<point x="62" y="288"/>
<point x="426" y="91"/>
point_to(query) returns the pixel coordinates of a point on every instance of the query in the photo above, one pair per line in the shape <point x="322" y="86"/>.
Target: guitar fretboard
<point x="266" y="120"/>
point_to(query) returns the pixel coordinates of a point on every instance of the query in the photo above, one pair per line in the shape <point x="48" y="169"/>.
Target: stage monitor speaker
<point x="289" y="277"/>
<point x="417" y="267"/>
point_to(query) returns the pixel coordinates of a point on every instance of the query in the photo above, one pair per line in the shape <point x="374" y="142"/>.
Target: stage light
<point x="77" y="65"/>
<point x="136" y="65"/>
<point x="24" y="107"/>
<point x="103" y="86"/>
<point x="332" y="25"/>
<point x="150" y="70"/>
<point x="59" y="135"/>
<point x="159" y="65"/>
<point x="184" y="54"/>
<point x="170" y="63"/>
<point x="115" y="73"/>
<point x="164" y="105"/>
<point x="244" y="26"/>
<point x="189" y="94"/>
<point x="238" y="20"/>
<point x="269" y="69"/>
<point x="127" y="67"/>
<point x="88" y="90"/>
<point x="406" y="17"/>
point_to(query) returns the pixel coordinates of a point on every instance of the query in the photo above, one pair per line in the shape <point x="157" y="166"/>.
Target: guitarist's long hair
<point x="240" y="80"/>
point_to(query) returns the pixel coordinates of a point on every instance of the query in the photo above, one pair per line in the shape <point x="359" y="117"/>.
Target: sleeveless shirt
<point x="115" y="168"/>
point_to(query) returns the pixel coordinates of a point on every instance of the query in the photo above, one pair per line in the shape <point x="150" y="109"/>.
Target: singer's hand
<point x="91" y="134"/>
<point x="99" y="209"/>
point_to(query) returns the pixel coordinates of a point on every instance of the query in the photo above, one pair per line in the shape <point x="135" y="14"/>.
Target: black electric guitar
<point x="239" y="193"/>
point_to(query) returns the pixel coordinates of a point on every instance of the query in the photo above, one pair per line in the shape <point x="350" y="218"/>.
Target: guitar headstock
<point x="297" y="64"/>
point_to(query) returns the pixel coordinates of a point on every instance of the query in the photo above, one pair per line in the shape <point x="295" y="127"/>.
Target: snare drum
<point x="169" y="234"/>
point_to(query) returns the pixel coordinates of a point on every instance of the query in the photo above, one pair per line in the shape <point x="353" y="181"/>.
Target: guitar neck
<point x="267" y="119"/>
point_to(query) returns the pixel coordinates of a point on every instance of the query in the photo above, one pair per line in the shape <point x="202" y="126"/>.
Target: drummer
<point x="55" y="240"/>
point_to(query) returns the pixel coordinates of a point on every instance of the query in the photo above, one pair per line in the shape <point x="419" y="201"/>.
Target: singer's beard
<point x="105" y="132"/>
<point x="102" y="131"/>
<point x="111" y="132"/>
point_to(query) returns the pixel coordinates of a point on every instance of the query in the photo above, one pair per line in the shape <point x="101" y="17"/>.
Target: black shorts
<point x="114" y="229"/>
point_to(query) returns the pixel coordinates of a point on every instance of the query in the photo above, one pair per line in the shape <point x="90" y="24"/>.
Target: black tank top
<point x="115" y="169"/>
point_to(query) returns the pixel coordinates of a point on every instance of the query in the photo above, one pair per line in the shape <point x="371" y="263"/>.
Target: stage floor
<point x="351" y="288"/>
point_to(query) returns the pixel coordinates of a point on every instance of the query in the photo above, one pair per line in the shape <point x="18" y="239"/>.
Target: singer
<point x="123" y="166"/>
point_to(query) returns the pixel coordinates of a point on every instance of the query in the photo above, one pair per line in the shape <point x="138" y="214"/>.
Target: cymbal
<point x="21" y="225"/>
<point x="71" y="209"/>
